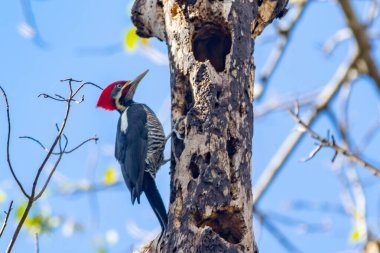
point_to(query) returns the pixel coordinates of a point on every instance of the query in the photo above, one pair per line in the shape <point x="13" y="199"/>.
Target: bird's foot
<point x="165" y="161"/>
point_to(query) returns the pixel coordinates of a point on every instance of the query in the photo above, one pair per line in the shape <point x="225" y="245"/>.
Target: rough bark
<point x="210" y="49"/>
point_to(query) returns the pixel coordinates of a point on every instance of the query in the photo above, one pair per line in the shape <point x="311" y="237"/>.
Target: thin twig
<point x="57" y="141"/>
<point x="331" y="143"/>
<point x="360" y="215"/>
<point x="277" y="103"/>
<point x="36" y="241"/>
<point x="38" y="195"/>
<point x="65" y="152"/>
<point x="353" y="183"/>
<point x="70" y="80"/>
<point x="323" y="207"/>
<point x="277" y="234"/>
<point x="298" y="223"/>
<point x="6" y="218"/>
<point x="84" y="84"/>
<point x="51" y="97"/>
<point x="95" y="187"/>
<point x="60" y="98"/>
<point x="368" y="137"/>
<point x="8" y="146"/>
<point x="42" y="166"/>
<point x="312" y="153"/>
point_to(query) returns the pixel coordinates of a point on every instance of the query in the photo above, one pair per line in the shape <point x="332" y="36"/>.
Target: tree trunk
<point x="210" y="49"/>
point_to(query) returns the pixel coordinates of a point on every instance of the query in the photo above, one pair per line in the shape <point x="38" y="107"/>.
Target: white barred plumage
<point x="156" y="142"/>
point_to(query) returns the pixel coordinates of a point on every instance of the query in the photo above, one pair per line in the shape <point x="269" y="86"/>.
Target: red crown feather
<point x="105" y="101"/>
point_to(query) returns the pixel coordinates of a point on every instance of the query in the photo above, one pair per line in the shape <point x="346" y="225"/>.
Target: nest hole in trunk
<point x="212" y="42"/>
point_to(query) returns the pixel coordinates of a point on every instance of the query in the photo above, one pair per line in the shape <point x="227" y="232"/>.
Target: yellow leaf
<point x="110" y="176"/>
<point x="3" y="196"/>
<point x="358" y="215"/>
<point x="131" y="39"/>
<point x="355" y="236"/>
<point x="102" y="250"/>
<point x="145" y="41"/>
<point x="20" y="210"/>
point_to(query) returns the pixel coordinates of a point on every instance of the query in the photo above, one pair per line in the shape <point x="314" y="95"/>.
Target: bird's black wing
<point x="131" y="148"/>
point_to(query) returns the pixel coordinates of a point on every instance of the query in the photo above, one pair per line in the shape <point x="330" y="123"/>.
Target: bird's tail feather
<point x="155" y="200"/>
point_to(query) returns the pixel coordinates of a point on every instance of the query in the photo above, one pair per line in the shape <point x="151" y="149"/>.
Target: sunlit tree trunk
<point x="211" y="65"/>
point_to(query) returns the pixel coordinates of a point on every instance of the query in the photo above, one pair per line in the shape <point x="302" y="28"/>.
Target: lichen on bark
<point x="210" y="44"/>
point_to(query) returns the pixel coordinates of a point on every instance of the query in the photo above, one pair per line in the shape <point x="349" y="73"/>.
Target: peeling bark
<point x="210" y="50"/>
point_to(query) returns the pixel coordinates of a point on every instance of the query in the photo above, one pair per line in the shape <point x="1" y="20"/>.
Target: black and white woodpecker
<point x="140" y="142"/>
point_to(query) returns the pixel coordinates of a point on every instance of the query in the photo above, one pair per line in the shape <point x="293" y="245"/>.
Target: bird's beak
<point x="138" y="79"/>
<point x="133" y="85"/>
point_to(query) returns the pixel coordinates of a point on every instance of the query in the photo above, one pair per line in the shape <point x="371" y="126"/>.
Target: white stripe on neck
<point x="124" y="121"/>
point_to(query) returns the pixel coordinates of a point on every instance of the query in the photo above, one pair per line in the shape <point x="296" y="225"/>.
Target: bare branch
<point x="373" y="12"/>
<point x="331" y="143"/>
<point x="298" y="223"/>
<point x="30" y="21"/>
<point x="340" y="36"/>
<point x="361" y="39"/>
<point x="282" y="43"/>
<point x="323" y="207"/>
<point x="344" y="73"/>
<point x="277" y="103"/>
<point x="6" y="218"/>
<point x="8" y="146"/>
<point x="277" y="234"/>
<point x="95" y="187"/>
<point x="368" y="137"/>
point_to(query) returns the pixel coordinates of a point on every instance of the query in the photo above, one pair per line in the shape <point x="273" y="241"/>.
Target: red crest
<point x="105" y="101"/>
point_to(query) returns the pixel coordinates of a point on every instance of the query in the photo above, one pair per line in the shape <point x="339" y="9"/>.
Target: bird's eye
<point x="119" y="85"/>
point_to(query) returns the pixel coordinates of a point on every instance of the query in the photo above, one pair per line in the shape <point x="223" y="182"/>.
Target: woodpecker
<point x="140" y="142"/>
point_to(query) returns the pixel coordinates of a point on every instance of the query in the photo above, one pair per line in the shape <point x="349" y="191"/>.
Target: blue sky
<point x="84" y="40"/>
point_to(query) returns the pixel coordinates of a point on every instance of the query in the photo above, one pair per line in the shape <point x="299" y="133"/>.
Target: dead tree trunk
<point x="210" y="50"/>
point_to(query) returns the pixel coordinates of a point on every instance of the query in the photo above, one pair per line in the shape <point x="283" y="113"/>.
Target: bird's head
<point x="117" y="95"/>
